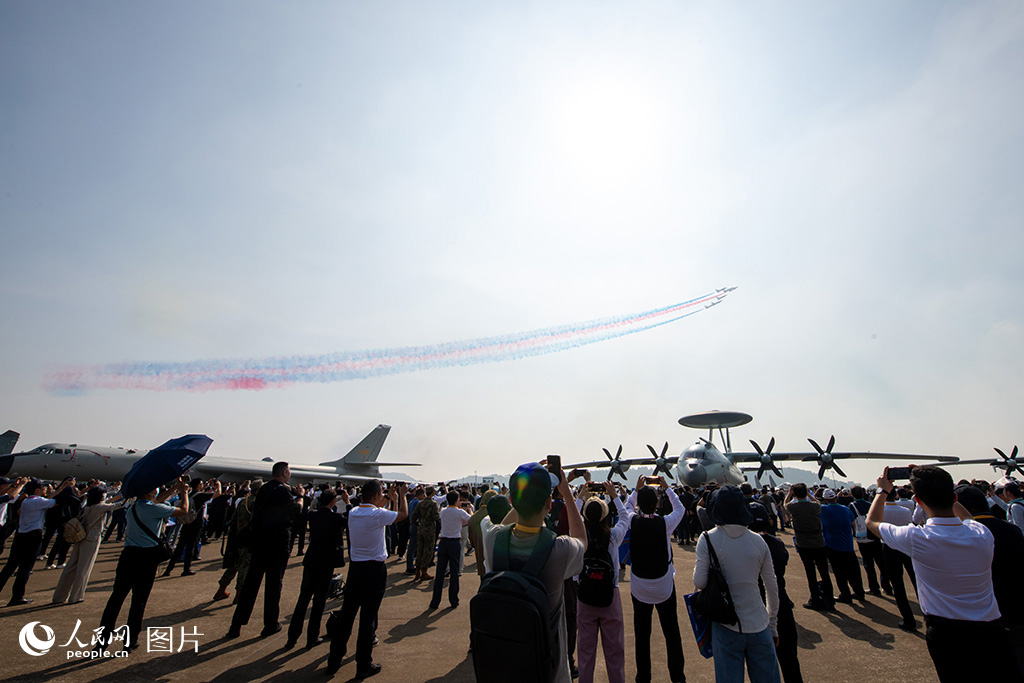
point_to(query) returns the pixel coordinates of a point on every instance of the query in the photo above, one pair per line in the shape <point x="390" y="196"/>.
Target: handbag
<point x="162" y="551"/>
<point x="75" y="531"/>
<point x="714" y="601"/>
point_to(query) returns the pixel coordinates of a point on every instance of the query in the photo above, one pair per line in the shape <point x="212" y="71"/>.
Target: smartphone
<point x="554" y="463"/>
<point x="595" y="486"/>
<point x="899" y="473"/>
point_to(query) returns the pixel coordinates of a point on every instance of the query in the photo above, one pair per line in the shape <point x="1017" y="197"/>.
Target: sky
<point x="224" y="184"/>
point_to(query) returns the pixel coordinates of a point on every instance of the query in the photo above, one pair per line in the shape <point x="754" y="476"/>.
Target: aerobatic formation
<point x="263" y="373"/>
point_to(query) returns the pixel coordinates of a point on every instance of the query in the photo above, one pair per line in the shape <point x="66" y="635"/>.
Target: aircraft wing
<point x="811" y="457"/>
<point x="607" y="463"/>
<point x="984" y="461"/>
<point x="884" y="456"/>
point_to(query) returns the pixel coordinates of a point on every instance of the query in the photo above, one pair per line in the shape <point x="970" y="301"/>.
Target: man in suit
<point x="273" y="514"/>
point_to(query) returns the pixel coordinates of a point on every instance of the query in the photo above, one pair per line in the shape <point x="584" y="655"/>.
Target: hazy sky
<point x="199" y="181"/>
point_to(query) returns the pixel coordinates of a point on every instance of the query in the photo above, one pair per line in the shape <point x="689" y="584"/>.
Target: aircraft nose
<point x="693" y="474"/>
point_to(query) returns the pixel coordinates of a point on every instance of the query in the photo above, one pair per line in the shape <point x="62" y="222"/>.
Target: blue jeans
<point x="731" y="650"/>
<point x="448" y="551"/>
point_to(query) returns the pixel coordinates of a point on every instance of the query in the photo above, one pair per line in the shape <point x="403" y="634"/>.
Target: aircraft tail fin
<point x="366" y="451"/>
<point x="8" y="440"/>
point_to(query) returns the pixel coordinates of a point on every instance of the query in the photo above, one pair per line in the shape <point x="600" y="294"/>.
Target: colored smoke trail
<point x="255" y="374"/>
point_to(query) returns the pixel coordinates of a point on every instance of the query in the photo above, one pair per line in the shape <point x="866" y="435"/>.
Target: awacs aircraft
<point x="703" y="461"/>
<point x="59" y="460"/>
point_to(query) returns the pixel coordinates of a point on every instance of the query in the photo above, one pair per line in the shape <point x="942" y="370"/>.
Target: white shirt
<point x="1015" y="514"/>
<point x="744" y="557"/>
<point x="653" y="591"/>
<point x="452" y="520"/>
<point x="896" y="514"/>
<point x="33" y="512"/>
<point x="366" y="532"/>
<point x="907" y="503"/>
<point x="953" y="563"/>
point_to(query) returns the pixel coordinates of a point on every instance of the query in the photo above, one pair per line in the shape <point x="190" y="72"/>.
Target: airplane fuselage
<point x="703" y="462"/>
<point x="55" y="461"/>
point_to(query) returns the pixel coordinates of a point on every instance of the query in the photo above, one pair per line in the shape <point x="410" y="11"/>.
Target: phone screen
<point x="554" y="463"/>
<point x="898" y="473"/>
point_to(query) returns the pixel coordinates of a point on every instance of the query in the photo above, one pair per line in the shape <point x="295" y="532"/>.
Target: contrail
<point x="263" y="373"/>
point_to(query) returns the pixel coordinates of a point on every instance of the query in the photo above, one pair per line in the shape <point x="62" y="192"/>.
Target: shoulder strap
<point x="538" y="558"/>
<point x="145" y="528"/>
<point x="711" y="548"/>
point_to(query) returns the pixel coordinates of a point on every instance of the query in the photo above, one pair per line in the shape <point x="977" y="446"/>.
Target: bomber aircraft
<point x="59" y="460"/>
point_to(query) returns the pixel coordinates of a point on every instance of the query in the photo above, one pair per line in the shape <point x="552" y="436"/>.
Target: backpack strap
<point x="538" y="558"/>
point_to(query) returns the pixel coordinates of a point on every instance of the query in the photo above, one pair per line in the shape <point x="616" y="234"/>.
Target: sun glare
<point x="607" y="130"/>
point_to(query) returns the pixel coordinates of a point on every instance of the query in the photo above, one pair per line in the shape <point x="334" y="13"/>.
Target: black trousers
<point x="957" y="646"/>
<point x="24" y="551"/>
<point x="59" y="552"/>
<point x="135" y="573"/>
<point x="871" y="553"/>
<point x="298" y="534"/>
<point x="364" y="592"/>
<point x="268" y="565"/>
<point x="316" y="581"/>
<point x="117" y="521"/>
<point x="895" y="563"/>
<point x="668" y="616"/>
<point x="185" y="550"/>
<point x="786" y="651"/>
<point x="847" y="570"/>
<point x="816" y="563"/>
<point x="570" y="597"/>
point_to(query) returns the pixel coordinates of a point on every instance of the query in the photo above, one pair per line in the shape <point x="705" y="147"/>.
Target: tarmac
<point x="858" y="642"/>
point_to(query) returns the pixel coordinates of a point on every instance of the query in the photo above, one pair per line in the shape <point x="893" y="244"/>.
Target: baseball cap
<point x="828" y="494"/>
<point x="530" y="485"/>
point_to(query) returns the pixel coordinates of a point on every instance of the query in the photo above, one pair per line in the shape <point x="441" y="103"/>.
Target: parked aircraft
<point x="59" y="460"/>
<point x="704" y="461"/>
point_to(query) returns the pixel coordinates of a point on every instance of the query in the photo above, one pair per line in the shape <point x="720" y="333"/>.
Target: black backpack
<point x="513" y="636"/>
<point x="597" y="580"/>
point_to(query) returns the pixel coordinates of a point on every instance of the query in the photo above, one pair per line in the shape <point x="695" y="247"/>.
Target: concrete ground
<point x="859" y="642"/>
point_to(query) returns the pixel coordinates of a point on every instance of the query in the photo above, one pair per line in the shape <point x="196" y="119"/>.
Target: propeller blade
<point x="821" y="472"/>
<point x="1001" y="453"/>
<point x="610" y="473"/>
<point x="1014" y="453"/>
<point x="665" y="450"/>
<point x="771" y="445"/>
<point x="756" y="447"/>
<point x="621" y="475"/>
<point x="831" y="444"/>
<point x="607" y="453"/>
<point x="777" y="471"/>
<point x="653" y="452"/>
<point x="836" y="468"/>
<point x="618" y="453"/>
<point x="817" y="448"/>
<point x="760" y="471"/>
